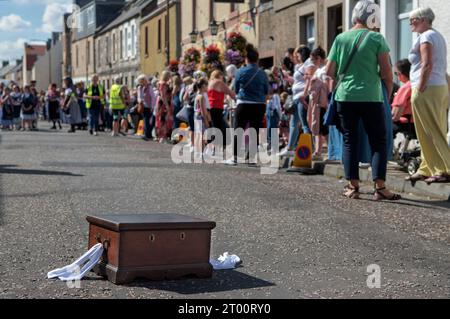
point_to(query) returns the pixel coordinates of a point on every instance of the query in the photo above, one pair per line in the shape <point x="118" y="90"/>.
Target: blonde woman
<point x="164" y="112"/>
<point x="430" y="97"/>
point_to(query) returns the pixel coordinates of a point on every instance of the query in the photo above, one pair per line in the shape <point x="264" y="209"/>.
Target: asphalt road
<point x="297" y="236"/>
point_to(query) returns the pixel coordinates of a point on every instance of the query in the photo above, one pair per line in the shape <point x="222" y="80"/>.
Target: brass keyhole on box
<point x="182" y="236"/>
<point x="152" y="237"/>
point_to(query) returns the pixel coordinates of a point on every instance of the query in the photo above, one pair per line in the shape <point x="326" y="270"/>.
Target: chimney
<point x="5" y="63"/>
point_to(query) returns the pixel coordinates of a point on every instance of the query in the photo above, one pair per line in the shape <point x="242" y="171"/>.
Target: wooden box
<point x="151" y="246"/>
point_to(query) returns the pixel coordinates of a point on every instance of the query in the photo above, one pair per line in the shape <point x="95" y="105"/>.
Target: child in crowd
<point x="273" y="113"/>
<point x="201" y="117"/>
<point x="28" y="109"/>
<point x="284" y="122"/>
<point x="317" y="91"/>
<point x="401" y="106"/>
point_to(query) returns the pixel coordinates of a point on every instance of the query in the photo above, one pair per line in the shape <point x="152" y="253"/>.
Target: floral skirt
<point x="164" y="121"/>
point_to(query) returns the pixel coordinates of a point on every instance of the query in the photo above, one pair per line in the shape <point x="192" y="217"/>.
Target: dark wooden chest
<point x="151" y="246"/>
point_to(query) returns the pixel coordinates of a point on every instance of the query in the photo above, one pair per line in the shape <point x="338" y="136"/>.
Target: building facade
<point x="318" y="22"/>
<point x="197" y="16"/>
<point x="31" y="53"/>
<point x="160" y="35"/>
<point x="91" y="18"/>
<point x="47" y="68"/>
<point x="118" y="45"/>
<point x="16" y="73"/>
<point x="66" y="40"/>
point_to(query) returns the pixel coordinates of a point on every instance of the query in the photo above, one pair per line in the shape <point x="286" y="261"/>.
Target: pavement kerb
<point x="396" y="183"/>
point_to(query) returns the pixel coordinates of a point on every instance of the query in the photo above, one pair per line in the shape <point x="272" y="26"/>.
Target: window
<point x="132" y="81"/>
<point x="159" y="35"/>
<point x="166" y="32"/>
<point x="98" y="53"/>
<point x="133" y="40"/>
<point x="308" y="30"/>
<point x="107" y="55"/>
<point x="125" y="44"/>
<point x="335" y="23"/>
<point x="404" y="33"/>
<point x="146" y="40"/>
<point x="88" y="55"/>
<point x="194" y="15"/>
<point x="114" y="47"/>
<point x="129" y="42"/>
<point x="232" y="7"/>
<point x="211" y="10"/>
<point x="121" y="44"/>
<point x="90" y="16"/>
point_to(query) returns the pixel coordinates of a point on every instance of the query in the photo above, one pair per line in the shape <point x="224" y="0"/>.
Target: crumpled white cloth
<point x="225" y="261"/>
<point x="78" y="269"/>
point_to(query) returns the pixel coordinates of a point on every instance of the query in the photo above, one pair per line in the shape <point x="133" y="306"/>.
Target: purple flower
<point x="233" y="57"/>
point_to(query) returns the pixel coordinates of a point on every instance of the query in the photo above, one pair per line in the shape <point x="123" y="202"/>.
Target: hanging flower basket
<point x="212" y="59"/>
<point x="189" y="62"/>
<point x="174" y="66"/>
<point x="236" y="53"/>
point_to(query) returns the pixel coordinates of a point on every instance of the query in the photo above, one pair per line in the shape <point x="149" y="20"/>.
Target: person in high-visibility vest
<point x="117" y="103"/>
<point x="95" y="100"/>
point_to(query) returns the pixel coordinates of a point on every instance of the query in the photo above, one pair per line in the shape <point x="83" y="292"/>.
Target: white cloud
<point x="11" y="49"/>
<point x="53" y="17"/>
<point x="13" y="22"/>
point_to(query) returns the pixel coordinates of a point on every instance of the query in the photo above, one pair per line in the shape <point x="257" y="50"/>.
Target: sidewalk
<point x="395" y="181"/>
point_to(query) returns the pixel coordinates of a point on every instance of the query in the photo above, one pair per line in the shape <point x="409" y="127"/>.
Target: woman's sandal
<point x="415" y="178"/>
<point x="351" y="192"/>
<point x="438" y="179"/>
<point x="379" y="195"/>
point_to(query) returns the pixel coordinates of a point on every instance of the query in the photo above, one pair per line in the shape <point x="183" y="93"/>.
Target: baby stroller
<point x="407" y="149"/>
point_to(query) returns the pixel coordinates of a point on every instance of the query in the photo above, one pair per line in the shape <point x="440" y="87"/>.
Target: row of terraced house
<point x="119" y="38"/>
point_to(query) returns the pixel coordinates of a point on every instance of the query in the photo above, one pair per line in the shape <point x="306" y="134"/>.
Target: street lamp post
<point x="193" y="35"/>
<point x="214" y="26"/>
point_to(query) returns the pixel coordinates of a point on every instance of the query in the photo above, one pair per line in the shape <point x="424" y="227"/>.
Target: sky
<point x="28" y="21"/>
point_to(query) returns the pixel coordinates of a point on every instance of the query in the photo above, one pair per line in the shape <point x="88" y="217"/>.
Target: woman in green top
<point x="360" y="97"/>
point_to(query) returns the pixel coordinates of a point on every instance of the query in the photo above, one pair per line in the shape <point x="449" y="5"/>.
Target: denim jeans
<point x="273" y="121"/>
<point x="300" y="116"/>
<point x="374" y="121"/>
<point x="303" y="114"/>
<point x="148" y="122"/>
<point x="94" y="114"/>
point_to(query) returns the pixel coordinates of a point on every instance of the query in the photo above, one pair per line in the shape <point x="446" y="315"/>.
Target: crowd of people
<point x="294" y="97"/>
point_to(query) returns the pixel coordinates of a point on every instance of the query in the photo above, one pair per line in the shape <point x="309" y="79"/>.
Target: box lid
<point x="157" y="221"/>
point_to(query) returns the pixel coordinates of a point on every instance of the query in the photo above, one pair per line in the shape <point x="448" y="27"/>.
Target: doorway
<point x="335" y="24"/>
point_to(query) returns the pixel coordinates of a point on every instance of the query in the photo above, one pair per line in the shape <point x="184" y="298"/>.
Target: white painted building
<point x="47" y="68"/>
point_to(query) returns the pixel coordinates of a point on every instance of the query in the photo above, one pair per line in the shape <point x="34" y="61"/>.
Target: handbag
<point x="73" y="100"/>
<point x="331" y="116"/>
<point x="183" y="115"/>
<point x="289" y="105"/>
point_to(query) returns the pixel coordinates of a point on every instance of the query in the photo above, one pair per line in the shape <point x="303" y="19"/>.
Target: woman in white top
<point x="301" y="55"/>
<point x="430" y="97"/>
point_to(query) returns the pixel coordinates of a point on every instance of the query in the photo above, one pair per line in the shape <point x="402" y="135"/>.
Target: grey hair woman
<point x="430" y="97"/>
<point x="360" y="97"/>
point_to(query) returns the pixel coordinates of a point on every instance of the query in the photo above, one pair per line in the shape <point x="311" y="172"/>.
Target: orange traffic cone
<point x="140" y="130"/>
